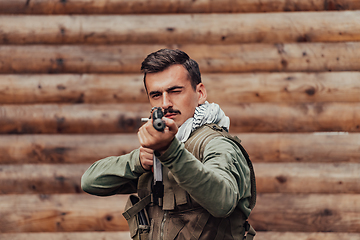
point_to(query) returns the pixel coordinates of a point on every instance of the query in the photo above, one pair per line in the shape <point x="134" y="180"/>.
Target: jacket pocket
<point x="137" y="217"/>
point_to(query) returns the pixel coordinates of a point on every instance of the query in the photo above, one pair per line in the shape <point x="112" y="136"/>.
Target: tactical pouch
<point x="137" y="217"/>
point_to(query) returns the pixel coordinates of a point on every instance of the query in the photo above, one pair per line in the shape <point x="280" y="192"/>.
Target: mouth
<point x="170" y="115"/>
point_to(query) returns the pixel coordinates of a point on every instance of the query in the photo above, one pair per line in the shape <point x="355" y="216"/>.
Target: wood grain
<point x="291" y="57"/>
<point x="81" y="212"/>
<point x="331" y="147"/>
<point x="90" y="235"/>
<point x="72" y="88"/>
<point x="221" y="88"/>
<point x="270" y="178"/>
<point x="335" y="147"/>
<point x="170" y="6"/>
<point x="80" y="118"/>
<point x="307" y="177"/>
<point x="302" y="117"/>
<point x="125" y="118"/>
<point x="305" y="236"/>
<point x="64" y="148"/>
<point x="307" y="213"/>
<point x="61" y="213"/>
<point x="182" y="28"/>
<point x="41" y="178"/>
<point x="124" y="235"/>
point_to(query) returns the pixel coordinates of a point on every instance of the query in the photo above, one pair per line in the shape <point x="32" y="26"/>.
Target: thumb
<point x="170" y="124"/>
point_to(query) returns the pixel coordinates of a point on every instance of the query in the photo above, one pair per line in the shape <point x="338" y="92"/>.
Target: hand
<point x="149" y="137"/>
<point x="146" y="158"/>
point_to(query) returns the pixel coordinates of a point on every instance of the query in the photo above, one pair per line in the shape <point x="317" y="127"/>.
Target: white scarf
<point x="204" y="114"/>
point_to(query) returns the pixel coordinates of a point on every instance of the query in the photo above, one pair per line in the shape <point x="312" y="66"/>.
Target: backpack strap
<point x="203" y="135"/>
<point x="131" y="211"/>
<point x="199" y="139"/>
<point x="197" y="143"/>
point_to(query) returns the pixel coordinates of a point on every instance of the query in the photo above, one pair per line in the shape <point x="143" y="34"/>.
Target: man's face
<point x="171" y="89"/>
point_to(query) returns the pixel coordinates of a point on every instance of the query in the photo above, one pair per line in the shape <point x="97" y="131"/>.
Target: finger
<point x="146" y="166"/>
<point x="140" y="137"/>
<point x="145" y="161"/>
<point x="148" y="162"/>
<point x="151" y="130"/>
<point x="143" y="132"/>
<point x="170" y="124"/>
<point x="147" y="155"/>
<point x="147" y="150"/>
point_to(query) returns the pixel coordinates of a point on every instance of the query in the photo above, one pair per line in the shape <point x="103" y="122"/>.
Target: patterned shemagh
<point x="204" y="114"/>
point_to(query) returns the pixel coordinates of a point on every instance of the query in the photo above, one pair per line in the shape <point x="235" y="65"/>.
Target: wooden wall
<point x="286" y="72"/>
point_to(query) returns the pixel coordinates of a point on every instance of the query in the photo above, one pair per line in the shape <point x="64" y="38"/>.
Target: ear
<point x="201" y="93"/>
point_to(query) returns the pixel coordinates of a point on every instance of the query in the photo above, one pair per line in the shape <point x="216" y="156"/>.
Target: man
<point x="207" y="187"/>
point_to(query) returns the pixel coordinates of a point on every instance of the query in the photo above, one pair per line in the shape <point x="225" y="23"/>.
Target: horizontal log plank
<point x="275" y="147"/>
<point x="306" y="117"/>
<point x="61" y="213"/>
<point x="305" y="236"/>
<point x="68" y="88"/>
<point x="304" y="147"/>
<point x="42" y="179"/>
<point x="307" y="178"/>
<point x="307" y="213"/>
<point x="271" y="178"/>
<point x="124" y="235"/>
<point x="221" y="88"/>
<point x="170" y="6"/>
<point x="64" y="148"/>
<point x="182" y="28"/>
<point x="80" y="118"/>
<point x="81" y="212"/>
<point x="125" y="118"/>
<point x="115" y="235"/>
<point x="292" y="57"/>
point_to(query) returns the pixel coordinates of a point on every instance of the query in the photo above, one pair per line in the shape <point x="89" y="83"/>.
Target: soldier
<point x="207" y="185"/>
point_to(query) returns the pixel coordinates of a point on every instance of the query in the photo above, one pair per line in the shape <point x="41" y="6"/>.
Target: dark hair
<point x="160" y="60"/>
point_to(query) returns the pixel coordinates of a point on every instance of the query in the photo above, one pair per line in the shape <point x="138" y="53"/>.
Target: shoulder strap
<point x="199" y="139"/>
<point x="203" y="135"/>
<point x="132" y="209"/>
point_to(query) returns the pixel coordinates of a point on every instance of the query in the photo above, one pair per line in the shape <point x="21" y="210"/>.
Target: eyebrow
<point x="167" y="90"/>
<point x="173" y="88"/>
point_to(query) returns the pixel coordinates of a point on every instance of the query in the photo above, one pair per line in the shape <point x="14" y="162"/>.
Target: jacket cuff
<point x="137" y="164"/>
<point x="172" y="151"/>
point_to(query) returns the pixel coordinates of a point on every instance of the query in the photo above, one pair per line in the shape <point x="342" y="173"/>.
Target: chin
<point x="179" y="123"/>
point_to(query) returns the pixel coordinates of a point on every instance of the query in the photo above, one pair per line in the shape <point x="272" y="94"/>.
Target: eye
<point x="155" y="95"/>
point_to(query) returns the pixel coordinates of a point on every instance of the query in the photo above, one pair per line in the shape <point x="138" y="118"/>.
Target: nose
<point x="166" y="101"/>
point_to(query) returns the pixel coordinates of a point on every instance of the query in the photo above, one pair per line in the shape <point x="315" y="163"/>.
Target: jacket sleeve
<point x="113" y="175"/>
<point x="220" y="183"/>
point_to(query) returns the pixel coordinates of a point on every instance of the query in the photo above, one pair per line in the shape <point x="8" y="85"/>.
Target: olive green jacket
<point x="220" y="183"/>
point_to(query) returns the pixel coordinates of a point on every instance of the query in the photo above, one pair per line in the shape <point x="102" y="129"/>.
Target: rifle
<point x="156" y="115"/>
<point x="158" y="187"/>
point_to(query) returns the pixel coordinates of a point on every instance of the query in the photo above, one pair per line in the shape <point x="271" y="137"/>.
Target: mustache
<point x="171" y="110"/>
